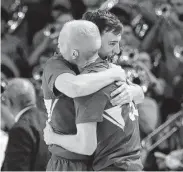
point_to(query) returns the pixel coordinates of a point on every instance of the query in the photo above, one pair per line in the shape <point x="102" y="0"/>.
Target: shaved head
<point x="20" y="92"/>
<point x="79" y="37"/>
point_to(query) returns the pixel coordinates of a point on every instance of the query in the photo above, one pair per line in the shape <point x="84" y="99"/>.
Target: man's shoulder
<point x="30" y="122"/>
<point x="98" y="66"/>
<point x="58" y="63"/>
<point x="55" y="59"/>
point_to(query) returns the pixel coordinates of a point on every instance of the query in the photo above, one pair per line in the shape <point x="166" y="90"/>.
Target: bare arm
<point x="35" y="55"/>
<point x="84" y="142"/>
<point x="86" y="84"/>
<point x="137" y="93"/>
<point x="125" y="93"/>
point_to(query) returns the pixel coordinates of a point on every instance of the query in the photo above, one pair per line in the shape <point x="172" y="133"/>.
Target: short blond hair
<point x="75" y="31"/>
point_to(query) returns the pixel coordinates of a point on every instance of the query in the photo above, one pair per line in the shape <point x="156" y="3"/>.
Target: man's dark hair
<point x="105" y="20"/>
<point x="122" y="15"/>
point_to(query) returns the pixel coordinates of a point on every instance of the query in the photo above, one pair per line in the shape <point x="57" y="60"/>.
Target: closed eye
<point x="113" y="43"/>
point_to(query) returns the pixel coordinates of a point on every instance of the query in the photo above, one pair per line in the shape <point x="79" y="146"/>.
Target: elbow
<point x="88" y="146"/>
<point x="69" y="86"/>
<point x="77" y="91"/>
<point x="71" y="94"/>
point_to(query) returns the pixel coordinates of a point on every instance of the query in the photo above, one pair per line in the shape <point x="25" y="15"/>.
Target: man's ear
<point x="75" y="54"/>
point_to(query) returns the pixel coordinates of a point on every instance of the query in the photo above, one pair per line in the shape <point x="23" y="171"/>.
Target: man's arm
<point x="89" y="110"/>
<point x="86" y="84"/>
<point x="18" y="156"/>
<point x="40" y="48"/>
<point x="137" y="93"/>
<point x="126" y="93"/>
<point x="84" y="142"/>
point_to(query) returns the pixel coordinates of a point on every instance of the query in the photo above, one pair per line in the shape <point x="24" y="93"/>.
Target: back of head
<point x="21" y="93"/>
<point x="79" y="35"/>
<point x="105" y="20"/>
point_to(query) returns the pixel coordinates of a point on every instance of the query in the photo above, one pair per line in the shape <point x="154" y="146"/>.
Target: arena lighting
<point x="109" y="4"/>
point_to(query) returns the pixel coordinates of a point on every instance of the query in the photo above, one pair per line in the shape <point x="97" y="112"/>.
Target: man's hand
<point x="121" y="95"/>
<point x="118" y="72"/>
<point x="142" y="66"/>
<point x="48" y="133"/>
<point x="173" y="160"/>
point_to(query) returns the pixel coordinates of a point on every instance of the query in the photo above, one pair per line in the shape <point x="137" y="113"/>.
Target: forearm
<point x="93" y="82"/>
<point x="84" y="84"/>
<point x="137" y="93"/>
<point x="34" y="57"/>
<point x="158" y="84"/>
<point x="69" y="142"/>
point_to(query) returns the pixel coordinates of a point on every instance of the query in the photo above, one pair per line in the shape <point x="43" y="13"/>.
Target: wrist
<point x="113" y="76"/>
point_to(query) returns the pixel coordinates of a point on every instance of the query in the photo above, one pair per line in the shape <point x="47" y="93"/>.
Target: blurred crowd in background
<point x="152" y="35"/>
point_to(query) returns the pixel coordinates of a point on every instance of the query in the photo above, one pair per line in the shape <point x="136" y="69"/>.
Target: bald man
<point x="61" y="82"/>
<point x="26" y="149"/>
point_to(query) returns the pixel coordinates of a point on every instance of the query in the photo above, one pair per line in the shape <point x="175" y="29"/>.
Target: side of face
<point x="128" y="37"/>
<point x="178" y="6"/>
<point x="110" y="44"/>
<point x="8" y="101"/>
<point x="86" y="51"/>
<point x="145" y="59"/>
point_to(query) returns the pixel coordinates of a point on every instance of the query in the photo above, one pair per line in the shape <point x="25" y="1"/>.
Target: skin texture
<point x="110" y="44"/>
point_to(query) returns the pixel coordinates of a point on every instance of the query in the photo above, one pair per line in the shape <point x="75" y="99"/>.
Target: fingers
<point x="119" y="83"/>
<point x="121" y="95"/>
<point x="120" y="99"/>
<point x="118" y="90"/>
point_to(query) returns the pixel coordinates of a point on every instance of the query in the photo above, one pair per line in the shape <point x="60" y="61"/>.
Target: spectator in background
<point x="44" y="45"/>
<point x="38" y="15"/>
<point x="3" y="143"/>
<point x="178" y="89"/>
<point x="79" y="7"/>
<point x="8" y="67"/>
<point x="4" y="20"/>
<point x="26" y="150"/>
<point x="174" y="160"/>
<point x="128" y="37"/>
<point x="13" y="48"/>
<point x="7" y="119"/>
<point x="149" y="109"/>
<point x="92" y="5"/>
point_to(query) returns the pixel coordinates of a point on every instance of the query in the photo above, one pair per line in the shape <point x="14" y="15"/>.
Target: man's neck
<point x="87" y="63"/>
